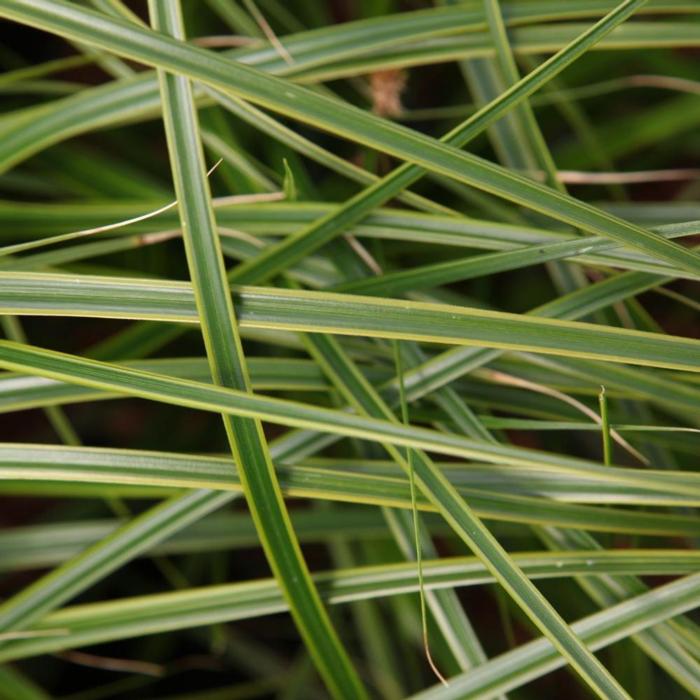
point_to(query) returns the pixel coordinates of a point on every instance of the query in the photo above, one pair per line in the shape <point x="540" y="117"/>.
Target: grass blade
<point x="503" y="494"/>
<point x="150" y="614"/>
<point x="228" y="368"/>
<point x="300" y="310"/>
<point x="534" y="658"/>
<point x="76" y="575"/>
<point x="248" y="83"/>
<point x="218" y="399"/>
<point x="466" y="524"/>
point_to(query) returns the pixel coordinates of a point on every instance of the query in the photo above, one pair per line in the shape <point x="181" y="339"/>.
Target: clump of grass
<point x="325" y="419"/>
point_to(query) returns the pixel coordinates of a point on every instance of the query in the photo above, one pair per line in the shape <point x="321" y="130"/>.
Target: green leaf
<point x="126" y="618"/>
<point x="531" y="660"/>
<point x="475" y="377"/>
<point x="299" y="310"/>
<point x="466" y="524"/>
<point x="156" y="49"/>
<point x="76" y="575"/>
<point x="184" y="392"/>
<point x="663" y="643"/>
<point x="40" y="546"/>
<point x="228" y="368"/>
<point x="496" y="494"/>
<point x="289" y="185"/>
<point x="14" y="686"/>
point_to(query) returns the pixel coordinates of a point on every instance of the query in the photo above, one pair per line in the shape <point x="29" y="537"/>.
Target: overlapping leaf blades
<point x="532" y="487"/>
<point x="132" y="41"/>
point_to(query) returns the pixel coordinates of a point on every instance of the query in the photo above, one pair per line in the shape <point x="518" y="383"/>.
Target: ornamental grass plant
<point x="349" y="350"/>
